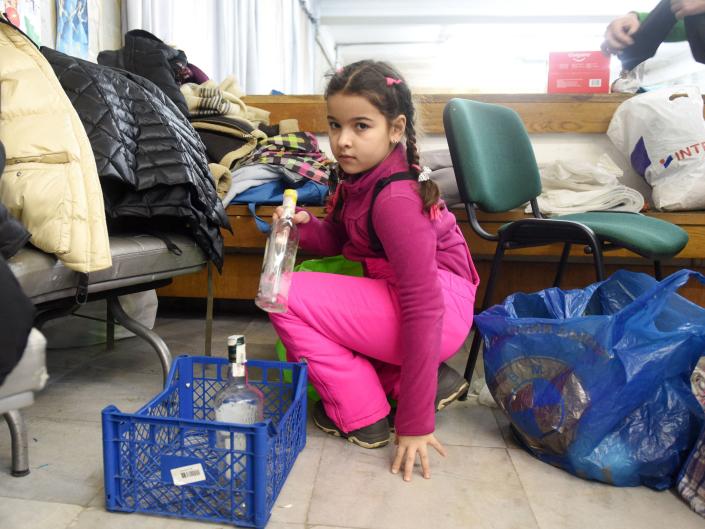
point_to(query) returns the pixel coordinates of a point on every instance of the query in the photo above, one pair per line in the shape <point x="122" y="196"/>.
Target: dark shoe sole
<point x="459" y="394"/>
<point x="334" y="431"/>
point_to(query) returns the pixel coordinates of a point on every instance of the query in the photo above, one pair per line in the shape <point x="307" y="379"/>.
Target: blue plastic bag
<point x="597" y="381"/>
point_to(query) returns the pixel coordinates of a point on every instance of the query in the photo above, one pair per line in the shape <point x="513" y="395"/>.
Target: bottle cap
<point x="291" y="193"/>
<point x="236" y="339"/>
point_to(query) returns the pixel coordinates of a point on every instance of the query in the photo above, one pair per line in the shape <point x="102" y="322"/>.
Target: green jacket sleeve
<point x="677" y="34"/>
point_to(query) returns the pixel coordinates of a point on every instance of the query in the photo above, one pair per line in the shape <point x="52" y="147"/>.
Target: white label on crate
<point x="595" y="83"/>
<point x="187" y="474"/>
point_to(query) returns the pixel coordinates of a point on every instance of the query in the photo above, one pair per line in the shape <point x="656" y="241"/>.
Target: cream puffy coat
<point x="50" y="181"/>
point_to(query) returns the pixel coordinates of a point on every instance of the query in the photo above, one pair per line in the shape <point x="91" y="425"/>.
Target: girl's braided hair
<point x="369" y="79"/>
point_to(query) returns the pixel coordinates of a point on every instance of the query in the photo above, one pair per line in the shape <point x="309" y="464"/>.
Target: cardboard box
<point x="578" y="72"/>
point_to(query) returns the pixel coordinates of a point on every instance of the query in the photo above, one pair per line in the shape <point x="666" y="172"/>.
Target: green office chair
<point x="496" y="171"/>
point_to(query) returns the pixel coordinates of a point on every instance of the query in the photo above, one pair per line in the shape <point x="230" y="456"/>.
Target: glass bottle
<point x="279" y="259"/>
<point x="238" y="402"/>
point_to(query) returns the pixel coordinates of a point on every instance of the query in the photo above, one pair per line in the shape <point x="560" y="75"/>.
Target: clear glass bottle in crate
<point x="238" y="402"/>
<point x="279" y="259"/>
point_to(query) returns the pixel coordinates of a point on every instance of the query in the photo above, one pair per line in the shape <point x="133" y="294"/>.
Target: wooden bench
<point x="525" y="270"/>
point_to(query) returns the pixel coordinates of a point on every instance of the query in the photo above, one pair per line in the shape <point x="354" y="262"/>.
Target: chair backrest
<point x="493" y="160"/>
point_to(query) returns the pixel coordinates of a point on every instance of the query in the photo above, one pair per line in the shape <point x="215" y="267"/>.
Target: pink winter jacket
<point x="415" y="248"/>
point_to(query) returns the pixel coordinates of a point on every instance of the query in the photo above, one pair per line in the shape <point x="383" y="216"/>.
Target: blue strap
<point x="262" y="226"/>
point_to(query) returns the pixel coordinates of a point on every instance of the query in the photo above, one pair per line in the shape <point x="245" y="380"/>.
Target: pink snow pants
<point x="347" y="330"/>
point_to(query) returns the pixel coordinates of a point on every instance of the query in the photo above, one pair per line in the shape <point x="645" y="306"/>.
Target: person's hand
<point x="618" y="34"/>
<point x="407" y="448"/>
<point x="686" y="8"/>
<point x="300" y="217"/>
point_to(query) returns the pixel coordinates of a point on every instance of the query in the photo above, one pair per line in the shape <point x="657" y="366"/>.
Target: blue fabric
<point x="640" y="158"/>
<point x="272" y="193"/>
<point x="597" y="381"/>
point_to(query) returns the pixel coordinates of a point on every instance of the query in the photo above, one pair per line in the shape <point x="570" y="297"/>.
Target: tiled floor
<point x="485" y="482"/>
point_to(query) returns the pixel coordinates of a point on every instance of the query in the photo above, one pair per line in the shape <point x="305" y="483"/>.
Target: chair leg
<point x="472" y="357"/>
<point x="18" y="434"/>
<point x="494" y="272"/>
<point x="209" y="312"/>
<point x="109" y="328"/>
<point x="658" y="272"/>
<point x="489" y="290"/>
<point x="599" y="262"/>
<point x="143" y="332"/>
<point x="561" y="265"/>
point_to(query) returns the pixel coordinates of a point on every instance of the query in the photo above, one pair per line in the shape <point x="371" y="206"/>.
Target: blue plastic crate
<point x="177" y="430"/>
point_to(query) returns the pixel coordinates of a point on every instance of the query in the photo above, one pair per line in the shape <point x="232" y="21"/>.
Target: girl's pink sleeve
<point x="409" y="243"/>
<point x="321" y="237"/>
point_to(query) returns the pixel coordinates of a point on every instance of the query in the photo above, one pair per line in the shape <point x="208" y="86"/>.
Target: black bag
<point x="16" y="318"/>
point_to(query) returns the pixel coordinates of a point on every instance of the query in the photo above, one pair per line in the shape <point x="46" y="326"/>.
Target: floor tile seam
<point x="499" y="427"/>
<point x="333" y="526"/>
<point x="60" y="420"/>
<point x="157" y="371"/>
<point x="101" y="493"/>
<point x="53" y="379"/>
<point x="523" y="488"/>
<point x="310" y="525"/>
<point x="8" y="496"/>
<point x="313" y="488"/>
<point x="457" y="445"/>
<point x="75" y="518"/>
<point x="91" y="362"/>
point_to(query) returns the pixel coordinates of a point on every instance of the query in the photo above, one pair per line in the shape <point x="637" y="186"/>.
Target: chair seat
<point x="646" y="236"/>
<point x="137" y="259"/>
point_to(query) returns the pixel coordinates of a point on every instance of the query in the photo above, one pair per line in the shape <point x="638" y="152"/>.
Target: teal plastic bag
<point x="330" y="265"/>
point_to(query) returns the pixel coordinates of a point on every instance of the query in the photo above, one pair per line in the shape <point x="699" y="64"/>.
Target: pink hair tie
<point x="435" y="212"/>
<point x="391" y="81"/>
<point x="339" y="69"/>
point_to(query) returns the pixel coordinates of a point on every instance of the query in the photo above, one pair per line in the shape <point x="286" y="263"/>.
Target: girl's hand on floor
<point x="300" y="217"/>
<point x="407" y="448"/>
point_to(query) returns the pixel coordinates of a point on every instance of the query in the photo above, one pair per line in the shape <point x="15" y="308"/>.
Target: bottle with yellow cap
<point x="279" y="259"/>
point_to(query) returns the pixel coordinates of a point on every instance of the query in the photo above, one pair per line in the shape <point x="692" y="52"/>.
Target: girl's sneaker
<point x="373" y="436"/>
<point x="451" y="386"/>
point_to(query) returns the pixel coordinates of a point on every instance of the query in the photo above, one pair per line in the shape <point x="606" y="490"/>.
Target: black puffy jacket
<point x="149" y="57"/>
<point x="151" y="162"/>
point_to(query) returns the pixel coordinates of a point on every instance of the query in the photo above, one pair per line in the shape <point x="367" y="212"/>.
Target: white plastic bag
<point x="662" y="133"/>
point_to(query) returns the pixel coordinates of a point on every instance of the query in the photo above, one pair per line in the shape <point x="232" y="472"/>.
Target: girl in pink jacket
<point x="386" y="334"/>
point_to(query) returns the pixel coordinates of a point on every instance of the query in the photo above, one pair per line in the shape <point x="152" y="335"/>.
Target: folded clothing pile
<point x="573" y="186"/>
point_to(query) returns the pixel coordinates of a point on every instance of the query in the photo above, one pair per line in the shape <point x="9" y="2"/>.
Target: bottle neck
<point x="289" y="205"/>
<point x="237" y="358"/>
<point x="237" y="373"/>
